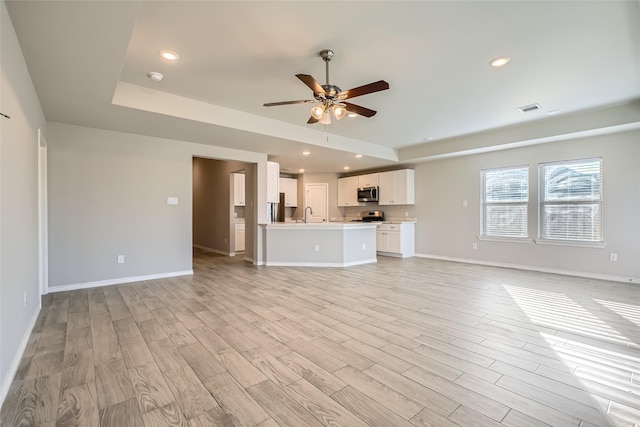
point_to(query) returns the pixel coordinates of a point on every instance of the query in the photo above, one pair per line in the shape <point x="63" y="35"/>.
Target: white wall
<point x="447" y="229"/>
<point x="18" y="201"/>
<point x="108" y="197"/>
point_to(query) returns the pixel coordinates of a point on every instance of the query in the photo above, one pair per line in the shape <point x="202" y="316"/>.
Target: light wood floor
<point x="399" y="343"/>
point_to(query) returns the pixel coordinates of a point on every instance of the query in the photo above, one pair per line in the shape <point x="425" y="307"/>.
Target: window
<point x="505" y="202"/>
<point x="571" y="201"/>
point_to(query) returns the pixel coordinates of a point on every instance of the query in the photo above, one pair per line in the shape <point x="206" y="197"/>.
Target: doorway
<point x="317" y="197"/>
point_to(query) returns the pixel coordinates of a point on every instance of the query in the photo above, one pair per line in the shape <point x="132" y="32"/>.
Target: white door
<point x="317" y="197"/>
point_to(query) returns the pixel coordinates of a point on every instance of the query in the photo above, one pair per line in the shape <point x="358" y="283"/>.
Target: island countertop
<point x="322" y="225"/>
<point x="322" y="244"/>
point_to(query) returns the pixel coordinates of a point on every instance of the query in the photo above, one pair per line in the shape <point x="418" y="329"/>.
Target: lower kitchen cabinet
<point x="239" y="237"/>
<point x="396" y="239"/>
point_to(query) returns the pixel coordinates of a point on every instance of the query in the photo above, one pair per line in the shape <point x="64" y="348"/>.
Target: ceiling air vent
<point x="529" y="108"/>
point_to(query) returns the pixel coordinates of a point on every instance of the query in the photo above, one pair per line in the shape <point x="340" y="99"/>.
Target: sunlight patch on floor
<point x="601" y="358"/>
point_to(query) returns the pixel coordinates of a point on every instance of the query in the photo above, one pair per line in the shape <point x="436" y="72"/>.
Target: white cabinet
<point x="273" y="182"/>
<point x="396" y="187"/>
<point x="239" y="237"/>
<point x="289" y="186"/>
<point x="348" y="192"/>
<point x="368" y="180"/>
<point x="238" y="189"/>
<point x="396" y="239"/>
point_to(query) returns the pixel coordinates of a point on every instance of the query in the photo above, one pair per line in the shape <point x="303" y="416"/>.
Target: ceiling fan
<point x="331" y="97"/>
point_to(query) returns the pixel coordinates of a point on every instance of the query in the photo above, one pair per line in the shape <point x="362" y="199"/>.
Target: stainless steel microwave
<point x="368" y="194"/>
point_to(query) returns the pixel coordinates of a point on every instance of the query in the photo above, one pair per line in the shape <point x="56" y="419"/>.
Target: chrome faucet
<point x="305" y="220"/>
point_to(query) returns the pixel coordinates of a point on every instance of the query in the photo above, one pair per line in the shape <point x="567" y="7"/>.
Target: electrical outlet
<point x="316" y="248"/>
<point x="406" y="214"/>
<point x="613" y="257"/>
<point x="120" y="259"/>
<point x="465" y="204"/>
<point x="364" y="246"/>
<point x="475" y="246"/>
<point x="25" y="299"/>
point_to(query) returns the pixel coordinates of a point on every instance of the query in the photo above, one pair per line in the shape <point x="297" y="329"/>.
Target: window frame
<point x="542" y="203"/>
<point x="484" y="203"/>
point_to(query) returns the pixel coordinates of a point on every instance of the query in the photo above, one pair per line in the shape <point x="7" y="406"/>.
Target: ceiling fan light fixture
<point x="326" y="118"/>
<point x="339" y="111"/>
<point x="352" y="115"/>
<point x="317" y="111"/>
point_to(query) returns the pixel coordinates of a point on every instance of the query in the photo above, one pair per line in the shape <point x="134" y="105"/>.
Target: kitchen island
<point x="326" y="244"/>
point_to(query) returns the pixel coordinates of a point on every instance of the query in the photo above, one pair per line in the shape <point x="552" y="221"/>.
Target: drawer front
<point x="389" y="227"/>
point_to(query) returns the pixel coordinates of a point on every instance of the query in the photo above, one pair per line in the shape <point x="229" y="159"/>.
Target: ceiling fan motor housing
<point x="331" y="91"/>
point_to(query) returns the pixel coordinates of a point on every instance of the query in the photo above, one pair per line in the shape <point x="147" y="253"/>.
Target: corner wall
<point x="447" y="229"/>
<point x="108" y="197"/>
<point x="18" y="202"/>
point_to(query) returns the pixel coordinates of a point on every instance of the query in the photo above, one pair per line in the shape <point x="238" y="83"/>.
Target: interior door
<point x="317" y="197"/>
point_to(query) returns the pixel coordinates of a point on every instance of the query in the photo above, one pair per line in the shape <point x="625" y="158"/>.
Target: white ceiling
<point x="89" y="61"/>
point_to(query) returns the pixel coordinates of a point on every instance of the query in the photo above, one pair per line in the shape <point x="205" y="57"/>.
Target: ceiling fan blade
<point x="363" y="90"/>
<point x="312" y="83"/>
<point x="353" y="108"/>
<point x="274" y="104"/>
<point x="312" y="120"/>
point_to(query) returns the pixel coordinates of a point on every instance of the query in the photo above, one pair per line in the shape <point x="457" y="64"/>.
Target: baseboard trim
<point x="118" y="281"/>
<point x="13" y="368"/>
<point x="319" y="264"/>
<point x="634" y="280"/>
<point x="215" y="251"/>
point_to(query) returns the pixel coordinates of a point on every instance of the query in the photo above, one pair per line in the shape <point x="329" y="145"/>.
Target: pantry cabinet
<point x="273" y="182"/>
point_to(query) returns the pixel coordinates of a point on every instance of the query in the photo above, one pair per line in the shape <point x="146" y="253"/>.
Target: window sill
<point x="505" y="239"/>
<point x="570" y="243"/>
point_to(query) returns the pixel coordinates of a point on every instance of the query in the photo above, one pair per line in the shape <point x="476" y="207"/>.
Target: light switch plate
<point x="172" y="200"/>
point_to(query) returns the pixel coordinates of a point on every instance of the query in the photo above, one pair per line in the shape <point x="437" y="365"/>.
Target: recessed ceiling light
<point x="346" y="168"/>
<point x="156" y="77"/>
<point x="169" y="55"/>
<point x="500" y="61"/>
<point x="352" y="115"/>
<point x="359" y="156"/>
<point x="306" y="153"/>
<point x="301" y="170"/>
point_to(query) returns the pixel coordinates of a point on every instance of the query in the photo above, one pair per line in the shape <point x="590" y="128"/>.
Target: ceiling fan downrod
<point x="326" y="55"/>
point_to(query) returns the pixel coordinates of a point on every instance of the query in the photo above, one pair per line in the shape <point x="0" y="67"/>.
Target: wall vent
<point x="529" y="108"/>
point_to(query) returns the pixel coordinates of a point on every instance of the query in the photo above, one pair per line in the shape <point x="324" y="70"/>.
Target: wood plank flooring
<point x="411" y="342"/>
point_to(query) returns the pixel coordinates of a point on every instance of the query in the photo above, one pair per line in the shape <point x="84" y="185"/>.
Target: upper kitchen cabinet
<point x="289" y="186"/>
<point x="396" y="187"/>
<point x="273" y="182"/>
<point x="348" y="191"/>
<point x="368" y="180"/>
<point x="238" y="189"/>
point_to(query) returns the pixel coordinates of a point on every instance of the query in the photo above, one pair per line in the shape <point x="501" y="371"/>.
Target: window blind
<point x="505" y="202"/>
<point x="571" y="200"/>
